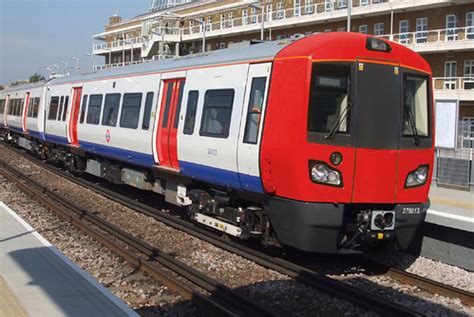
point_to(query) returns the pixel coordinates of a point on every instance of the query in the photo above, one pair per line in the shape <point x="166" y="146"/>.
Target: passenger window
<point x="111" y="110"/>
<point x="53" y="108"/>
<point x="329" y="99"/>
<point x="178" y="106"/>
<point x="254" y="112"/>
<point x="130" y="110"/>
<point x="30" y="103"/>
<point x="83" y="109"/>
<point x="60" y="111"/>
<point x="147" y="112"/>
<point x="36" y="107"/>
<point x="66" y="105"/>
<point x="217" y="112"/>
<point x="191" y="108"/>
<point x="169" y="95"/>
<point x="93" y="113"/>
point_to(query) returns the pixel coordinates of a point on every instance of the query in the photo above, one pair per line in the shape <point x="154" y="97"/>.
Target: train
<point x="321" y="143"/>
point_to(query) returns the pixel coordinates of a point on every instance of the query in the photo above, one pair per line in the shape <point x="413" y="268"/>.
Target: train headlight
<point x="324" y="174"/>
<point x="417" y="177"/>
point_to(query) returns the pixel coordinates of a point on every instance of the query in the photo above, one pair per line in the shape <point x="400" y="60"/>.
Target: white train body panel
<point x="55" y="127"/>
<point x="127" y="144"/>
<point x="35" y="116"/>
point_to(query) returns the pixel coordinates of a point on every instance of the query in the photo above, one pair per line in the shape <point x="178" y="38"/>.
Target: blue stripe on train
<point x="132" y="157"/>
<point x="56" y="139"/>
<point x="36" y="134"/>
<point x="221" y="177"/>
<point x="16" y="129"/>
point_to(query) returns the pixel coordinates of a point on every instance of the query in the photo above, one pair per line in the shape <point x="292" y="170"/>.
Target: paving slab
<point x="42" y="281"/>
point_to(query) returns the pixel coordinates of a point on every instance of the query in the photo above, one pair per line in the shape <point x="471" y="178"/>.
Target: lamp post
<point x="77" y="63"/>
<point x="203" y="24"/>
<point x="349" y="13"/>
<point x="261" y="6"/>
<point x="92" y="59"/>
<point x="54" y="65"/>
<point x="65" y="67"/>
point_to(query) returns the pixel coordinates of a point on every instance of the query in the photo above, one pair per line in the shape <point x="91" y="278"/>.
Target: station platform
<point x="38" y="280"/>
<point x="451" y="208"/>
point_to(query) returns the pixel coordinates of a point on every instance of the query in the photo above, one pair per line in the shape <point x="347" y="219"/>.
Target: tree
<point x="1" y="87"/>
<point x="36" y="77"/>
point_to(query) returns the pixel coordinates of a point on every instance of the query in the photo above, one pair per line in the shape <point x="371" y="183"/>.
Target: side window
<point x="111" y="109"/>
<point x="191" y="108"/>
<point x="66" y="105"/>
<point x="83" y="108"/>
<point x="217" y="112"/>
<point x="36" y="104"/>
<point x="53" y="108"/>
<point x="130" y="110"/>
<point x="147" y="112"/>
<point x="20" y="107"/>
<point x="178" y="105"/>
<point x="60" y="111"/>
<point x="93" y="113"/>
<point x="254" y="111"/>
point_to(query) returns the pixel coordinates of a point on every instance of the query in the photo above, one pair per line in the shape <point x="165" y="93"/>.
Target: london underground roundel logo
<point x="107" y="136"/>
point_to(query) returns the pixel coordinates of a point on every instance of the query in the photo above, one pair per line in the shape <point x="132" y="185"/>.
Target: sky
<point x="37" y="33"/>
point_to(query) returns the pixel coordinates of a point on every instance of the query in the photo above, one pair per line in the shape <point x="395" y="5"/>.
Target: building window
<point x="269" y="12"/>
<point x="364" y="2"/>
<point x="130" y="110"/>
<point x="217" y="112"/>
<point x="280" y="11"/>
<point x="341" y="4"/>
<point x="328" y="5"/>
<point x="209" y="24"/>
<point x="223" y="21"/>
<point x="111" y="110"/>
<point x="421" y="28"/>
<point x="404" y="28"/>
<point x="191" y="108"/>
<point x="245" y="17"/>
<point x="297" y="8"/>
<point x="230" y="21"/>
<point x="93" y="113"/>
<point x="470" y="25"/>
<point x="222" y="46"/>
<point x="364" y="29"/>
<point x="450" y="73"/>
<point x="378" y="29"/>
<point x="327" y="30"/>
<point x="191" y="26"/>
<point x="253" y="15"/>
<point x="341" y="29"/>
<point x="469" y="74"/>
<point x="308" y="7"/>
<point x="451" y="24"/>
<point x="254" y="110"/>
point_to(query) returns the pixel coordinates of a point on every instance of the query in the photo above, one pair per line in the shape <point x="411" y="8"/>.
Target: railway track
<point x="221" y="301"/>
<point x="300" y="273"/>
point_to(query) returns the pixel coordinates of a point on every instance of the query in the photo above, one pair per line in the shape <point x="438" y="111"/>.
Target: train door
<point x="74" y="116"/>
<point x="258" y="79"/>
<point x="5" y="112"/>
<point x="25" y="112"/>
<point x="166" y="140"/>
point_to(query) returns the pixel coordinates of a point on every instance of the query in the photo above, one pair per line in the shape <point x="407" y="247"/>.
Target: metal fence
<point x="454" y="167"/>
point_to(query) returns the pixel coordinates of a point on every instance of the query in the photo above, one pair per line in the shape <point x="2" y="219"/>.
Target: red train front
<point x="347" y="148"/>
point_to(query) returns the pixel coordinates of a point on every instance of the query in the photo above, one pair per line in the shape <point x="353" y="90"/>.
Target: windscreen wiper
<point x="339" y="121"/>
<point x="416" y="138"/>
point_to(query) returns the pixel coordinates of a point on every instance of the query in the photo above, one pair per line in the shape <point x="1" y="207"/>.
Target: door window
<point x="190" y="119"/>
<point x="421" y="27"/>
<point x="257" y="94"/>
<point x="53" y="108"/>
<point x="147" y="112"/>
<point x="404" y="27"/>
<point x="83" y="109"/>
<point x="451" y="24"/>
<point x="470" y="25"/>
<point x="450" y="74"/>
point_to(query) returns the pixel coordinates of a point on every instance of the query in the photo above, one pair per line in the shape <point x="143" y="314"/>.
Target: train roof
<point x="24" y="87"/>
<point x="237" y="53"/>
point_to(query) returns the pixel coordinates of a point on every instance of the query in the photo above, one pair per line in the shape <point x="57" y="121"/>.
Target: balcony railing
<point x="140" y="61"/>
<point x="433" y="36"/>
<point x="119" y="44"/>
<point x="453" y="83"/>
<point x="275" y="15"/>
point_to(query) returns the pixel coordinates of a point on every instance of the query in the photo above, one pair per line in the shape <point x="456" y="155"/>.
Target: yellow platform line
<point x="9" y="304"/>
<point x="454" y="203"/>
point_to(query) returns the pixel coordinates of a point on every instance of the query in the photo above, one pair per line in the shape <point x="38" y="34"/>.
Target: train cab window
<point x="147" y="111"/>
<point x="257" y="93"/>
<point x="216" y="113"/>
<point x="329" y="106"/>
<point x="130" y="110"/>
<point x="36" y="103"/>
<point x="60" y="111"/>
<point x="415" y="109"/>
<point x="83" y="109"/>
<point x="111" y="110"/>
<point x="93" y="113"/>
<point x="66" y="105"/>
<point x="191" y="108"/>
<point x="53" y="108"/>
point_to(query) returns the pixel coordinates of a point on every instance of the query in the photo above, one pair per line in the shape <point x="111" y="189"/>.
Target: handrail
<point x="454" y="83"/>
<point x="432" y="36"/>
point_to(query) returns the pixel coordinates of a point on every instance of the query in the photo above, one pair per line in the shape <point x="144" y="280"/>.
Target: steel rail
<point x="304" y="275"/>
<point x="225" y="296"/>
